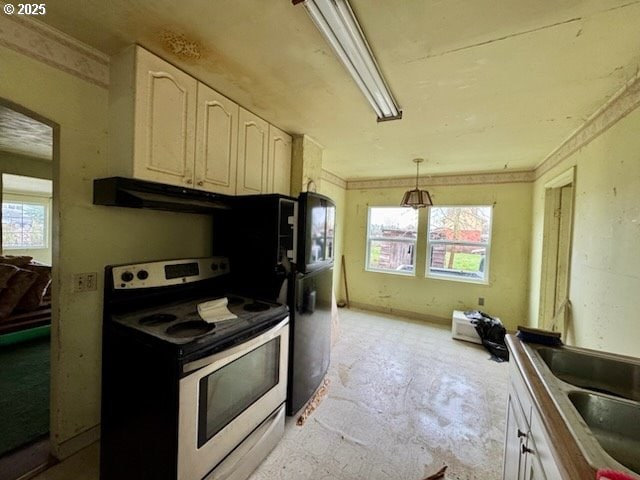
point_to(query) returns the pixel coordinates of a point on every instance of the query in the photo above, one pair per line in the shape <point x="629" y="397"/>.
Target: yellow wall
<point x="26" y="166"/>
<point x="605" y="265"/>
<point x="506" y="295"/>
<point x="338" y="195"/>
<point x="88" y="237"/>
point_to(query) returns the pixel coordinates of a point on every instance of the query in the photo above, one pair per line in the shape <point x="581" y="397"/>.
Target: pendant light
<point x="416" y="198"/>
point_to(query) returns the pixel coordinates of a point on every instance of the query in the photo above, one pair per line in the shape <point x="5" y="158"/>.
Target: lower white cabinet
<point x="526" y="452"/>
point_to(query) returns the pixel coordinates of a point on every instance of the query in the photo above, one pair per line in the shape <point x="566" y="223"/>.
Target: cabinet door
<point x="253" y="139"/>
<point x="279" y="171"/>
<point x="216" y="142"/>
<point x="165" y="116"/>
<point x="533" y="468"/>
<point x="515" y="439"/>
<point x="543" y="465"/>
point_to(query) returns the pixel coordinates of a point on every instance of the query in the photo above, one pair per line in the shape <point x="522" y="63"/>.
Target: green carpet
<point x="24" y="392"/>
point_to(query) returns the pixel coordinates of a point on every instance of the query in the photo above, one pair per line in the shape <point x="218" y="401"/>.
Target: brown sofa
<point x="25" y="300"/>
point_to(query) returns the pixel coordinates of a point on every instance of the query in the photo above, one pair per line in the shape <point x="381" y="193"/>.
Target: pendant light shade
<point x="416" y="198"/>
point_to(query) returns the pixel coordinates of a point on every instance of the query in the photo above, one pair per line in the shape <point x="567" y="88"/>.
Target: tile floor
<point x="404" y="400"/>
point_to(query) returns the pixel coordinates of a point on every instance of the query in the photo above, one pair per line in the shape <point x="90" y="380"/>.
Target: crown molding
<point x="54" y="48"/>
<point x="444" y="180"/>
<point x="623" y="102"/>
<point x="334" y="179"/>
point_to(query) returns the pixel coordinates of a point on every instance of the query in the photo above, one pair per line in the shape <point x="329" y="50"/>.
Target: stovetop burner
<point x="233" y="300"/>
<point x="192" y="328"/>
<point x="256" y="307"/>
<point x="180" y="324"/>
<point x="157" y="319"/>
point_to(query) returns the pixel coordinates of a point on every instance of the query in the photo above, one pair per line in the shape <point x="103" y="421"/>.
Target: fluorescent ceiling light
<point x="338" y="24"/>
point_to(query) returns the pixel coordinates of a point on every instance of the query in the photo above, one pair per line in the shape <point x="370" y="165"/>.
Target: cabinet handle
<point x="526" y="450"/>
<point x="200" y="183"/>
<point x="521" y="434"/>
<point x="189" y="181"/>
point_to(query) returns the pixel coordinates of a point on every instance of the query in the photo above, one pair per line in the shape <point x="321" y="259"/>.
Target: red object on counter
<point x="612" y="475"/>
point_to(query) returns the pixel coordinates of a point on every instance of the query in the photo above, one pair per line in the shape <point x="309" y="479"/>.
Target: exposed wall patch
<point x="181" y="46"/>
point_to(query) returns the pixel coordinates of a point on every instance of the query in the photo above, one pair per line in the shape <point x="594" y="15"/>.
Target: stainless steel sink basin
<point x="593" y="372"/>
<point x="615" y="424"/>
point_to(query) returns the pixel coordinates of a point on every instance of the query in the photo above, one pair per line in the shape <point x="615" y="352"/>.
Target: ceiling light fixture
<point x="336" y="21"/>
<point x="416" y="198"/>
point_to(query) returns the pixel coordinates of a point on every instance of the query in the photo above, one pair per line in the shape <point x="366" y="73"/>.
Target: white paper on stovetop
<point x="215" y="311"/>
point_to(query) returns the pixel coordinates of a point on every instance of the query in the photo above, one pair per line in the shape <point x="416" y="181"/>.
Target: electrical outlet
<point x="480" y="301"/>
<point x="85" y="282"/>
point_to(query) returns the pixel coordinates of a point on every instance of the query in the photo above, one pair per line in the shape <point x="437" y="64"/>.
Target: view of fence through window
<point x="459" y="241"/>
<point x="23" y="225"/>
<point x="391" y="239"/>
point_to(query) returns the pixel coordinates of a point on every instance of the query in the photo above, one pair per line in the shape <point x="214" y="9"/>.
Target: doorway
<point x="26" y="246"/>
<point x="555" y="305"/>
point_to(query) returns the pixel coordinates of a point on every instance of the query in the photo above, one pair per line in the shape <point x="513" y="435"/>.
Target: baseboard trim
<point x="423" y="317"/>
<point x="74" y="444"/>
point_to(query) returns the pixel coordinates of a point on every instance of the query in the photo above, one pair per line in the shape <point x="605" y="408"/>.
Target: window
<point x="24" y="223"/>
<point x="391" y="239"/>
<point x="458" y="243"/>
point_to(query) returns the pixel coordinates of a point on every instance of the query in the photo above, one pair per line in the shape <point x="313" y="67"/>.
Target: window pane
<point x="393" y="222"/>
<point x="458" y="261"/>
<point x="392" y="234"/>
<point x="23" y="225"/>
<point x="463" y="224"/>
<point x="391" y="256"/>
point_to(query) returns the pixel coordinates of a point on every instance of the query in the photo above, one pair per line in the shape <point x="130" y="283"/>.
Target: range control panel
<point x="168" y="272"/>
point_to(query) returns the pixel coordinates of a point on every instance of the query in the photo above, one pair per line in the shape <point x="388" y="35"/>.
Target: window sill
<point x="451" y="278"/>
<point x="391" y="272"/>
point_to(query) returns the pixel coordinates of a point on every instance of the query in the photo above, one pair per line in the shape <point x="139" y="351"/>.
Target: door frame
<point x="55" y="260"/>
<point x="547" y="312"/>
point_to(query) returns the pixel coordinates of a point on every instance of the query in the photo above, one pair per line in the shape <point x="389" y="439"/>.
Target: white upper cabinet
<point x="152" y="119"/>
<point x="279" y="178"/>
<point x="253" y="140"/>
<point x="217" y="142"/>
<point x="165" y="126"/>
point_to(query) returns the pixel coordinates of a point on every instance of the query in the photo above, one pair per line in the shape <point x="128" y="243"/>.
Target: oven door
<point x="223" y="402"/>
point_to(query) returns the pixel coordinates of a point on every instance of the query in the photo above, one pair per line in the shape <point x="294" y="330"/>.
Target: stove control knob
<point x="223" y="266"/>
<point x="143" y="275"/>
<point x="126" y="276"/>
<point x="214" y="267"/>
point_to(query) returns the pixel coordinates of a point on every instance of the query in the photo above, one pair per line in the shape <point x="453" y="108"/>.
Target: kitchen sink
<point x="594" y="372"/>
<point x="615" y="424"/>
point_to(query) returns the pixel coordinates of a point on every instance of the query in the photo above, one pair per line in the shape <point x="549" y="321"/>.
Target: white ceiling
<point x="25" y="136"/>
<point x="484" y="85"/>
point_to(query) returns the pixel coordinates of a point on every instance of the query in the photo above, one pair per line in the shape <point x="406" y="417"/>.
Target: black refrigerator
<point x="282" y="249"/>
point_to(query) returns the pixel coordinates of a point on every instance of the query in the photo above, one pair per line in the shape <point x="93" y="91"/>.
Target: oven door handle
<point x="231" y="352"/>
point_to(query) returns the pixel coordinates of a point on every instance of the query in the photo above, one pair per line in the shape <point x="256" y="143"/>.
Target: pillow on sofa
<point x="6" y="272"/>
<point x="33" y="297"/>
<point x="17" y="286"/>
<point x="16" y="260"/>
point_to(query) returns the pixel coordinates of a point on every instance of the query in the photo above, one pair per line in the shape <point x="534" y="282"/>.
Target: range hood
<point x="132" y="193"/>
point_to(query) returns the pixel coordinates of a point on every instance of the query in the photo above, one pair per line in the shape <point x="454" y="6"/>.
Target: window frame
<point x="486" y="245"/>
<point x="30" y="199"/>
<point x="369" y="239"/>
